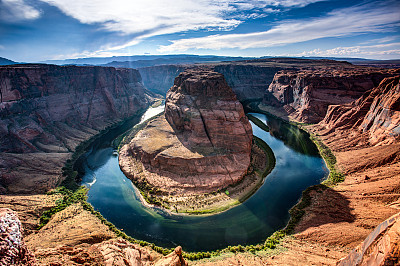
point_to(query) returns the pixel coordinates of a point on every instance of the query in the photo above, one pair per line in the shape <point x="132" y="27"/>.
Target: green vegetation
<point x="270" y="155"/>
<point x="157" y="103"/>
<point x="68" y="198"/>
<point x="258" y="122"/>
<point x="335" y="176"/>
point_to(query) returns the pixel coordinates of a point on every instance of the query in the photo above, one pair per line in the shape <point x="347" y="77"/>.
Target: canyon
<point x="46" y="111"/>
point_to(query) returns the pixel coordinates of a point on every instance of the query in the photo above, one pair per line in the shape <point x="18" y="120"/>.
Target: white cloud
<point x="15" y="10"/>
<point x="374" y="51"/>
<point x="150" y="16"/>
<point x="343" y="22"/>
<point x="381" y="40"/>
<point x="156" y="17"/>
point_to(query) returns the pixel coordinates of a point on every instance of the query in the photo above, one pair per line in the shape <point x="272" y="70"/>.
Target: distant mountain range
<point x="146" y="60"/>
<point x="140" y="61"/>
<point x="5" y="61"/>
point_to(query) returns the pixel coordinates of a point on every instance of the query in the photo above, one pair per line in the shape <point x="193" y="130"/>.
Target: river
<point x="298" y="166"/>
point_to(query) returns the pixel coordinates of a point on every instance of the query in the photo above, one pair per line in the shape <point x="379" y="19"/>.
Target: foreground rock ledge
<point x="201" y="145"/>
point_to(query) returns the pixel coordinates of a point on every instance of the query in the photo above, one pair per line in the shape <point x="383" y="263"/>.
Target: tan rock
<point x="173" y="259"/>
<point x="376" y="114"/>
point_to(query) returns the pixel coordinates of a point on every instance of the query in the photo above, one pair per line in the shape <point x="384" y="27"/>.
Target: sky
<point x="38" y="30"/>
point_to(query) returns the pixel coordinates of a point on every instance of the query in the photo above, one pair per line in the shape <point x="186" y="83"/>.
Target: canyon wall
<point x="248" y="81"/>
<point x="47" y="110"/>
<point x="376" y="114"/>
<point x="159" y="79"/>
<point x="306" y="94"/>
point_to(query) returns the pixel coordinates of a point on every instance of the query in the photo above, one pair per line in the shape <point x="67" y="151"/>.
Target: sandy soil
<point x="29" y="208"/>
<point x="291" y="251"/>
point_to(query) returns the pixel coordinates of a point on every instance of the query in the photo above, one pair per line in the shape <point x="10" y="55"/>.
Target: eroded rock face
<point x="381" y="247"/>
<point x="202" y="144"/>
<point x="306" y="94"/>
<point x="204" y="111"/>
<point x="159" y="79"/>
<point x="376" y="113"/>
<point x="248" y="81"/>
<point x="13" y="250"/>
<point x="47" y="109"/>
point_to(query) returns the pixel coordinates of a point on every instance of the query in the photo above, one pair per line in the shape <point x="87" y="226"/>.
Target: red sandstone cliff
<point x="47" y="110"/>
<point x="306" y="94"/>
<point x="376" y="114"/>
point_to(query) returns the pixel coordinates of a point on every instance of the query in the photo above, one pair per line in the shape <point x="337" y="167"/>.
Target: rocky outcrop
<point x="13" y="250"/>
<point x="201" y="145"/>
<point x="306" y="94"/>
<point x="376" y="114"/>
<point x="381" y="247"/>
<point x="174" y="258"/>
<point x="204" y="110"/>
<point x="47" y="110"/>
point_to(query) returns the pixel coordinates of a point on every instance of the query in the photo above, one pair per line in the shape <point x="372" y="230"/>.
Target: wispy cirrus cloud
<point x="389" y="49"/>
<point x="16" y="10"/>
<point x="141" y="20"/>
<point x="156" y="17"/>
<point x="338" y="23"/>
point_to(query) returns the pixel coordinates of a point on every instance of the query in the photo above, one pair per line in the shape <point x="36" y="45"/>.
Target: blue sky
<point x="33" y="30"/>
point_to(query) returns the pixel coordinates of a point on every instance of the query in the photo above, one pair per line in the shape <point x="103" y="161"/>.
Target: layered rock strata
<point x="159" y="79"/>
<point x="381" y="247"/>
<point x="376" y="113"/>
<point x="202" y="144"/>
<point x="47" y="110"/>
<point x="306" y="94"/>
